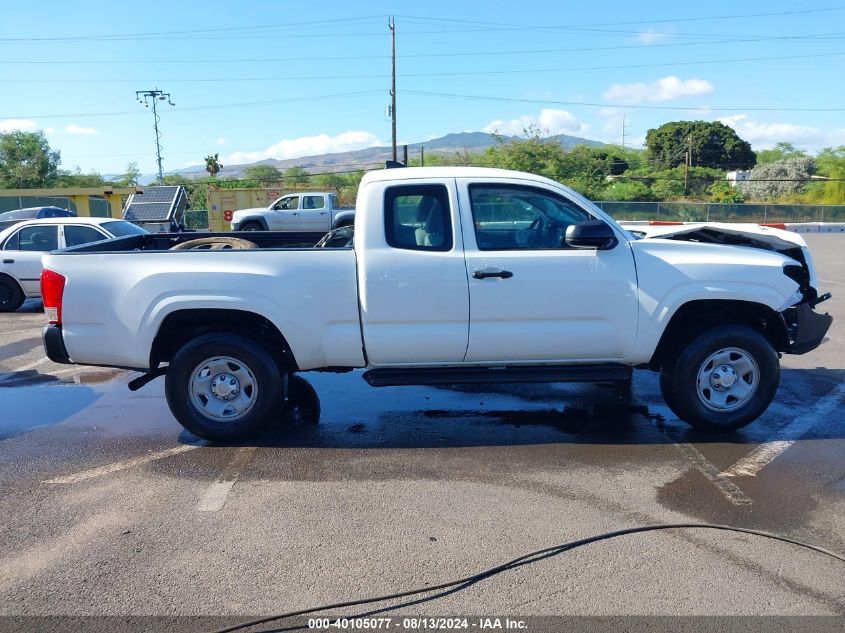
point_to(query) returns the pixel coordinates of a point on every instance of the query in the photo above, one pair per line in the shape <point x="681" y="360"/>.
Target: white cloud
<point x="654" y="37"/>
<point x="665" y="89"/>
<point x="17" y="125"/>
<point x="307" y="146"/>
<point x="765" y="134"/>
<point x="49" y="130"/>
<point x="195" y="163"/>
<point x="221" y="141"/>
<point x="73" y="128"/>
<point x="550" y="121"/>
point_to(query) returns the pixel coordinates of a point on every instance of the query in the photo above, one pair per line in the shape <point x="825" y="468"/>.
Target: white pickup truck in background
<point x="457" y="275"/>
<point x="309" y="212"/>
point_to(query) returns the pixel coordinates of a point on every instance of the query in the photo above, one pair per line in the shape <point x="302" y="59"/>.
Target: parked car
<point x="456" y="275"/>
<point x="23" y="244"/>
<point x="311" y="211"/>
<point x="9" y="218"/>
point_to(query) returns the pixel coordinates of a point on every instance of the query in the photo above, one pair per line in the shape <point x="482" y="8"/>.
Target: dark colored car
<point x="9" y="218"/>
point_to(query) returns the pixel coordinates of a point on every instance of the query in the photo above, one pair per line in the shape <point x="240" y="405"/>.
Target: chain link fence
<point x="674" y="211"/>
<point x="714" y="212"/>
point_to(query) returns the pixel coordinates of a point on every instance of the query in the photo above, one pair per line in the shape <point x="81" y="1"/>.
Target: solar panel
<point x="156" y="204"/>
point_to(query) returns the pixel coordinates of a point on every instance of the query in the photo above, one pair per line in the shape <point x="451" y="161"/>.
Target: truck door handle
<point x="8" y="261"/>
<point x="322" y="213"/>
<point x="294" y="213"/>
<point x="484" y="273"/>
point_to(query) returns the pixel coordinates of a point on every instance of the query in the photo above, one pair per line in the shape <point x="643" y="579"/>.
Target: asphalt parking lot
<point x="109" y="508"/>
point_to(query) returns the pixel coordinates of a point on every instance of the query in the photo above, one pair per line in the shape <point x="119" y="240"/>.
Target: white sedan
<point x="22" y="244"/>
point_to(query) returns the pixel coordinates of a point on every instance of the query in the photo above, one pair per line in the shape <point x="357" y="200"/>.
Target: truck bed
<point x="166" y="241"/>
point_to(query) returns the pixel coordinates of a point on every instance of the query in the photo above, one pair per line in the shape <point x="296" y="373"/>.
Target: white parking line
<point x="728" y="489"/>
<point x="217" y="493"/>
<point x="122" y="465"/>
<point x="752" y="463"/>
<point x="13" y="374"/>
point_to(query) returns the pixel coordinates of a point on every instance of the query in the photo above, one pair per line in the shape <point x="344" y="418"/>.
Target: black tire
<point x="252" y="226"/>
<point x="215" y="244"/>
<point x="679" y="378"/>
<point x="302" y="405"/>
<point x="11" y="295"/>
<point x="269" y="386"/>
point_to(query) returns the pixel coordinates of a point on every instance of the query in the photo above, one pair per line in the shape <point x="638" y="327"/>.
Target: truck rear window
<point x="418" y="217"/>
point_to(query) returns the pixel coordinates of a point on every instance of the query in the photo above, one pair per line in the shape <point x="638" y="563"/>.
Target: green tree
<point x="713" y="144"/>
<point x="830" y="163"/>
<point x="262" y="173"/>
<point x="533" y="154"/>
<point x="77" y="178"/>
<point x="26" y="160"/>
<point x="781" y="151"/>
<point x="130" y="176"/>
<point x="296" y="176"/>
<point x="213" y="165"/>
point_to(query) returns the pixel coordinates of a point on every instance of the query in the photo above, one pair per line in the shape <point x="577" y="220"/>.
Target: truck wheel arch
<point x="181" y="326"/>
<point x="693" y="317"/>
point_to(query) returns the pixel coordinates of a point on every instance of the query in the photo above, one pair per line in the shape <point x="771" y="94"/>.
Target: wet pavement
<point x="110" y="508"/>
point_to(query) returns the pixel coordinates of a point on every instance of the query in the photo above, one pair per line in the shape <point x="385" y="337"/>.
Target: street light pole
<point x="145" y="96"/>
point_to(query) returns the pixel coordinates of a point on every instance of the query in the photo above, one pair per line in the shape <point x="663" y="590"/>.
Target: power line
<point x="221" y="106"/>
<point x="488" y="53"/>
<point x="434" y="74"/>
<point x="612" y="105"/>
<point x="664" y="20"/>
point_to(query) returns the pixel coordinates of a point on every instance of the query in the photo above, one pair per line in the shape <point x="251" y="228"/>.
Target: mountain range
<point x="375" y="156"/>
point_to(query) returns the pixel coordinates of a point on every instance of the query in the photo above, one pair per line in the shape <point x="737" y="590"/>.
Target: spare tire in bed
<point x="215" y="244"/>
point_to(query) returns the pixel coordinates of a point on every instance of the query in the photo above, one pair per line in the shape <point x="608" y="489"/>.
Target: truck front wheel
<point x="723" y="379"/>
<point x="224" y="387"/>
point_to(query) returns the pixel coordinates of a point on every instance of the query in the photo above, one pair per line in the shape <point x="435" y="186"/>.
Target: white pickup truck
<point x="457" y="275"/>
<point x="309" y="212"/>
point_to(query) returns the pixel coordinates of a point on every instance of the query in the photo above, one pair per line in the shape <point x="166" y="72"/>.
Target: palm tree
<point x="212" y="165"/>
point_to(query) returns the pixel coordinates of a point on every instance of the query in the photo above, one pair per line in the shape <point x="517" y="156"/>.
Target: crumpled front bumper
<point x="807" y="327"/>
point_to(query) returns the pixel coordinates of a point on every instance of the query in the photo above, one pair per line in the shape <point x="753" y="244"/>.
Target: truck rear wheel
<point x="723" y="380"/>
<point x="11" y="295"/>
<point x="224" y="387"/>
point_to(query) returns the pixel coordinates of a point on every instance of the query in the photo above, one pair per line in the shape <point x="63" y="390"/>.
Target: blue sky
<point x="265" y="79"/>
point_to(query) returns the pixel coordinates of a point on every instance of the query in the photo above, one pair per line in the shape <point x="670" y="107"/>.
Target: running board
<point x="395" y="377"/>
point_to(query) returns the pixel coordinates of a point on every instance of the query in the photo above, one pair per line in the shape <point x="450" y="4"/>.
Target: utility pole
<point x="623" y="130"/>
<point x="422" y="156"/>
<point x="687" y="164"/>
<point x="392" y="26"/>
<point x="155" y="96"/>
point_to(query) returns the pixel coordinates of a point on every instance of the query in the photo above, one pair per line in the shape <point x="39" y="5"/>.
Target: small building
<point x="739" y="175"/>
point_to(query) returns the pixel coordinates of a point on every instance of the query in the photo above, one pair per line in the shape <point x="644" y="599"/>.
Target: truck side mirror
<point x="590" y="234"/>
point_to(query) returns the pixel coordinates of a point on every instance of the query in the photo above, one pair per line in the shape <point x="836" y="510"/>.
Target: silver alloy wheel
<point x="223" y="388"/>
<point x="727" y="379"/>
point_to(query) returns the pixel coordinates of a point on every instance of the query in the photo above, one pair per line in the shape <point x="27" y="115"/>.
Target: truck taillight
<point x="52" y="289"/>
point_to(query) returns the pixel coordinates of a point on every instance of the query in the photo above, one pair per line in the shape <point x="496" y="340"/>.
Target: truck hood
<point x="754" y="235"/>
<point x="764" y="238"/>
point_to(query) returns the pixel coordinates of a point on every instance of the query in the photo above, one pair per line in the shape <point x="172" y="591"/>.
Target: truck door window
<point x="513" y="217"/>
<point x="335" y="202"/>
<point x="287" y="204"/>
<point x="417" y="217"/>
<point x="38" y="238"/>
<point x="313" y="202"/>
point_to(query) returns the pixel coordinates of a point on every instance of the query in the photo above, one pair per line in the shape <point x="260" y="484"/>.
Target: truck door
<point x="412" y="280"/>
<point x="22" y="254"/>
<point x="284" y="214"/>
<point x="532" y="298"/>
<point x="315" y="216"/>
